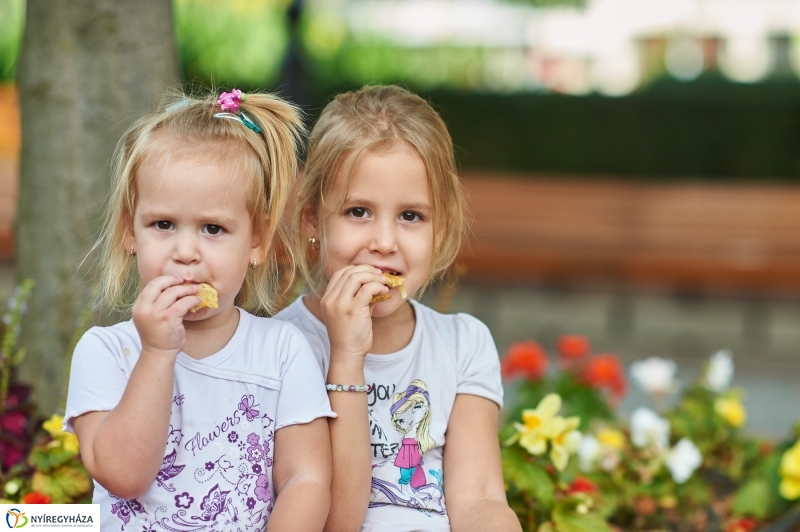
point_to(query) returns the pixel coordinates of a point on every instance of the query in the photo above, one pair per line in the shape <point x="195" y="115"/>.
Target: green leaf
<point x="45" y="458"/>
<point x="567" y="519"/>
<point x="63" y="484"/>
<point x="753" y="499"/>
<point x="531" y="479"/>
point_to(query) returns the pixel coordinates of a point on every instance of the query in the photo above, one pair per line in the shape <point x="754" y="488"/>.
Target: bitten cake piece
<point x="392" y="281"/>
<point x="208" y="297"/>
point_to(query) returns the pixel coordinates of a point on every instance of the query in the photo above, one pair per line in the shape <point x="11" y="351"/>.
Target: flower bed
<point x="687" y="468"/>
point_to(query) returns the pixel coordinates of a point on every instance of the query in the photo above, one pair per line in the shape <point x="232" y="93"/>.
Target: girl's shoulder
<point x="459" y="323"/>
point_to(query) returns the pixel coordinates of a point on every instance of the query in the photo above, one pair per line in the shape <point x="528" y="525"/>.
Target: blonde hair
<point x="424" y="440"/>
<point x="379" y="118"/>
<point x="268" y="160"/>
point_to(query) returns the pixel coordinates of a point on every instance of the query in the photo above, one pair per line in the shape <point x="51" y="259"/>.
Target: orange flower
<point x="573" y="347"/>
<point x="35" y="497"/>
<point x="606" y="371"/>
<point x="524" y="358"/>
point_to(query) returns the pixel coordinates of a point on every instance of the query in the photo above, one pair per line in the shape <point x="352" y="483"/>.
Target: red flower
<point x="606" y="371"/>
<point x="745" y="524"/>
<point x="524" y="358"/>
<point x="14" y="422"/>
<point x="573" y="347"/>
<point x="35" y="497"/>
<point x="9" y="455"/>
<point x="581" y="485"/>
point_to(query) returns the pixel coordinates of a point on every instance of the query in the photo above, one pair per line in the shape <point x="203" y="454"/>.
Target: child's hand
<point x="158" y="314"/>
<point x="346" y="309"/>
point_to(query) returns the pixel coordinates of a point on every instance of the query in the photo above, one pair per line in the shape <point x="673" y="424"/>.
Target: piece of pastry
<point x="392" y="281"/>
<point x="208" y="297"/>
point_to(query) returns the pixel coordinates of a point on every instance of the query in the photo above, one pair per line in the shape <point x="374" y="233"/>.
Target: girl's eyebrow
<point x="406" y="206"/>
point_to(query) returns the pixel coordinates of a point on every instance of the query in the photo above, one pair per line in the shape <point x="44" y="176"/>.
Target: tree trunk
<point x="87" y="69"/>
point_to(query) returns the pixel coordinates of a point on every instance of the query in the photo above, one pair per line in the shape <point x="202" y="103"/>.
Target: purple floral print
<point x="232" y="437"/>
<point x="256" y="469"/>
<point x="253" y="438"/>
<point x="184" y="500"/>
<point x="209" y="466"/>
<point x="262" y="489"/>
<point x="251" y="503"/>
<point x="255" y="454"/>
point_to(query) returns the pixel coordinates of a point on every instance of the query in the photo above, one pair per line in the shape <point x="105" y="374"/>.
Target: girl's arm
<point x="347" y="314"/>
<point x="302" y="477"/>
<point x="473" y="476"/>
<point x="123" y="449"/>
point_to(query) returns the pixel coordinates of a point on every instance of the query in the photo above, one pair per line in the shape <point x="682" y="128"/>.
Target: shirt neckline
<point x="227" y="350"/>
<point x="372" y="357"/>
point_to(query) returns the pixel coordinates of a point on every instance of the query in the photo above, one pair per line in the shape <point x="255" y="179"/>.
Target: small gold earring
<point x="255" y="263"/>
<point x="313" y="242"/>
<point x="132" y="251"/>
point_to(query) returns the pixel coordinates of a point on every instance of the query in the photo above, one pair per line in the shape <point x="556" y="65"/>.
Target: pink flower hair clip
<point x="229" y="101"/>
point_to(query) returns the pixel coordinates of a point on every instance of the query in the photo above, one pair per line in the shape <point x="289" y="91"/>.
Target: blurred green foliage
<point x="12" y="20"/>
<point x="239" y="42"/>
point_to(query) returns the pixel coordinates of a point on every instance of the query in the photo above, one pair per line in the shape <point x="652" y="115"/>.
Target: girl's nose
<point x="384" y="237"/>
<point x="186" y="250"/>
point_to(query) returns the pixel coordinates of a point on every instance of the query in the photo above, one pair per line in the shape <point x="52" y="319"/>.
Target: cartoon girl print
<point x="411" y="416"/>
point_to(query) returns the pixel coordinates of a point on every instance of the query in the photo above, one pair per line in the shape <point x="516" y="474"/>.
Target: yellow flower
<point x="731" y="410"/>
<point x="564" y="439"/>
<point x="790" y="473"/>
<point x="531" y="432"/>
<point x="611" y="438"/>
<point x="53" y="426"/>
<point x="68" y="440"/>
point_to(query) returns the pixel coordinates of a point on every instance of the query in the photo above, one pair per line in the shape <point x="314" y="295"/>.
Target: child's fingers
<point x="168" y="297"/>
<point x="154" y="288"/>
<point x="348" y="285"/>
<point x="184" y="305"/>
<point x="368" y="291"/>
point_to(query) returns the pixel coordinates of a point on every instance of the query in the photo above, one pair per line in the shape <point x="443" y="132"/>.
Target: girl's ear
<point x="309" y="223"/>
<point x="259" y="247"/>
<point x="129" y="240"/>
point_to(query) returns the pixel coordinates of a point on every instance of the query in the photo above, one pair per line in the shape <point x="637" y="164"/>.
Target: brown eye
<point x="212" y="229"/>
<point x="410" y="216"/>
<point x="358" y="212"/>
<point x="163" y="225"/>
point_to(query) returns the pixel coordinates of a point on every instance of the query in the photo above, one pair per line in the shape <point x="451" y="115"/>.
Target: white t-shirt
<point x="217" y="468"/>
<point x="412" y="396"/>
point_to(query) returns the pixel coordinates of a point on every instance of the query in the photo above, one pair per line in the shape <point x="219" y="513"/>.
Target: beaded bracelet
<point x="345" y="388"/>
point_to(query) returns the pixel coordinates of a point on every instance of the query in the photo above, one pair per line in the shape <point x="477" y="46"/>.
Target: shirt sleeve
<point x="97" y="379"/>
<point x="303" y="397"/>
<point x="478" y="361"/>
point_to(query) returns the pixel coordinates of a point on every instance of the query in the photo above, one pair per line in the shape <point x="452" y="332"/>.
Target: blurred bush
<point x="238" y="42"/>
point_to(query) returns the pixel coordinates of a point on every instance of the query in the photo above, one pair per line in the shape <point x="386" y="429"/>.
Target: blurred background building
<point x="632" y="166"/>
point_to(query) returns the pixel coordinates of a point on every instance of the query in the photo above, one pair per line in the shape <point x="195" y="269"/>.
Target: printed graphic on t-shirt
<point x="401" y="479"/>
<point x="231" y="492"/>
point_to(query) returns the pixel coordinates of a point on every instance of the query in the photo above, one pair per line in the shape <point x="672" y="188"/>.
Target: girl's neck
<point x="206" y="337"/>
<point x="389" y="334"/>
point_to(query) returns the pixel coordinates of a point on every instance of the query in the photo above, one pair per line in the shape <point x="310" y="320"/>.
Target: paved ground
<point x="764" y="334"/>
